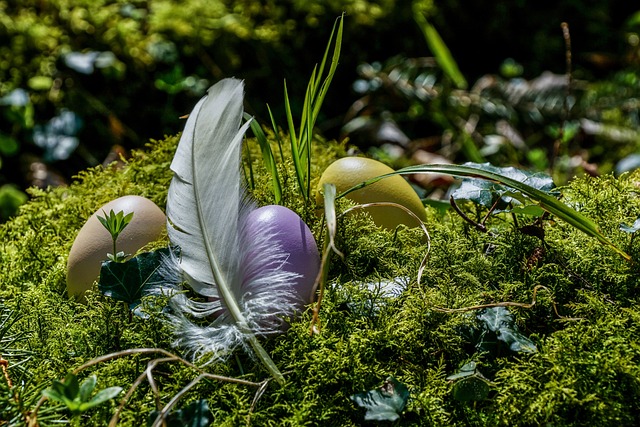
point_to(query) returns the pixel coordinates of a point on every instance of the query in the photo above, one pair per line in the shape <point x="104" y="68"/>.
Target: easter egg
<point x="346" y="172"/>
<point x="295" y="239"/>
<point x="93" y="241"/>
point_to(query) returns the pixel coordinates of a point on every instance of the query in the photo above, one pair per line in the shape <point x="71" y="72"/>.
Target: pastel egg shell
<point x="93" y="241"/>
<point x="347" y="172"/>
<point x="295" y="238"/>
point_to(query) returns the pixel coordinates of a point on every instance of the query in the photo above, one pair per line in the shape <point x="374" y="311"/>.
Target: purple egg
<point x="296" y="239"/>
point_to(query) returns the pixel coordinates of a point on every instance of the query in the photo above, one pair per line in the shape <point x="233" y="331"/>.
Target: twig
<point x="508" y="304"/>
<point x="5" y="370"/>
<point x="567" y="45"/>
<point x="464" y="216"/>
<point x="170" y="355"/>
<point x="147" y="373"/>
<point x="320" y="280"/>
<point x="5" y="364"/>
<point x="32" y="417"/>
<point x="257" y="397"/>
<point x="160" y="418"/>
<point x="568" y="72"/>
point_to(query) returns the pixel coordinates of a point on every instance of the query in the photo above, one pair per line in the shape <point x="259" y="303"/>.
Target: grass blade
<point x="329" y="193"/>
<point x="267" y="158"/>
<point x="308" y="99"/>
<point x="332" y="69"/>
<point x="295" y="152"/>
<point x="544" y="200"/>
<point x="276" y="132"/>
<point x="439" y="49"/>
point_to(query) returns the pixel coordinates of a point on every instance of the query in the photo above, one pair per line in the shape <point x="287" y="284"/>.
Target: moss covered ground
<point x="584" y="369"/>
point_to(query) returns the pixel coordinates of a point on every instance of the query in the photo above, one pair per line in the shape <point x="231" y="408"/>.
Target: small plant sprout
<point x="115" y="223"/>
<point x="77" y="397"/>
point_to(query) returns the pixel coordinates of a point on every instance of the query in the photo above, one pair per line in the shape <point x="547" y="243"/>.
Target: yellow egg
<point x="349" y="171"/>
<point x="93" y="241"/>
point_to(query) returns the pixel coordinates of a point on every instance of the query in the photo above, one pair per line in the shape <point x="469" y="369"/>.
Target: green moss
<point x="584" y="373"/>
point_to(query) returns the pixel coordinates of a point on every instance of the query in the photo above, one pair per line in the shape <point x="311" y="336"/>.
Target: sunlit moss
<point x="584" y="373"/>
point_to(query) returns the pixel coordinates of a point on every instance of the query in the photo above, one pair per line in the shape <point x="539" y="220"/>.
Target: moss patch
<point x="584" y="323"/>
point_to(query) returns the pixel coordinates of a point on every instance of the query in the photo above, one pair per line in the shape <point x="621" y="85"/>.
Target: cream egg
<point x="93" y="241"/>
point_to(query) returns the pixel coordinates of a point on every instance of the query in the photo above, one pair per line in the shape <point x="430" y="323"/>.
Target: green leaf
<point x="467" y="369"/>
<point x="101" y="397"/>
<point x="314" y="97"/>
<point x="469" y="148"/>
<point x="471" y="388"/>
<point x="86" y="388"/>
<point x="8" y="145"/>
<point x="439" y="49"/>
<point x="544" y="200"/>
<point x="329" y="194"/>
<point x="295" y="151"/>
<point x="70" y="386"/>
<point x="532" y="210"/>
<point x="196" y="414"/>
<point x="500" y="321"/>
<point x="115" y="223"/>
<point x="276" y="132"/>
<point x="65" y="391"/>
<point x="486" y="193"/>
<point x="385" y="403"/>
<point x="268" y="159"/>
<point x="11" y="198"/>
<point x="76" y="397"/>
<point x="126" y="281"/>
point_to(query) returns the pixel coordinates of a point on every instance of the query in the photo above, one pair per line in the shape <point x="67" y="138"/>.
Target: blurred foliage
<point x="545" y="123"/>
<point x="530" y="33"/>
<point x="81" y="79"/>
<point x="83" y="82"/>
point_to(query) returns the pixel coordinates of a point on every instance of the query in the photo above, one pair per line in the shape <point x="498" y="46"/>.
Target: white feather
<point x="222" y="258"/>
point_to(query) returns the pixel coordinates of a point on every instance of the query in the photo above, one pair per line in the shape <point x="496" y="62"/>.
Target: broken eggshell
<point x="93" y="241"/>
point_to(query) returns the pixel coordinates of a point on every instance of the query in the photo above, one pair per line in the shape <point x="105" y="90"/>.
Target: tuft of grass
<point x="301" y="139"/>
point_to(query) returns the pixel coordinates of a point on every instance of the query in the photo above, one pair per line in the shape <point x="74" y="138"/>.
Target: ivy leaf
<point x="126" y="281"/>
<point x="498" y="324"/>
<point x="467" y="370"/>
<point x="471" y="388"/>
<point x="385" y="403"/>
<point x="486" y="193"/>
<point x="196" y="414"/>
<point x="470" y="384"/>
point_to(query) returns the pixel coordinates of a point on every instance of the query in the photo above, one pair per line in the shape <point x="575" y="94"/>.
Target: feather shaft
<point x="205" y="211"/>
